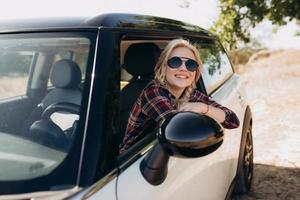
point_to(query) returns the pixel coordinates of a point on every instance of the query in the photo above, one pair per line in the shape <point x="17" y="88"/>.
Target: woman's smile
<point x="182" y="76"/>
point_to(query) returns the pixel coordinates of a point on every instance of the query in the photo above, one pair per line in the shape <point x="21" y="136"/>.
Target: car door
<point x="198" y="178"/>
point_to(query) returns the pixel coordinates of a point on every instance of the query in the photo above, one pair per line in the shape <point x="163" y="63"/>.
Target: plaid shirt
<point x="155" y="104"/>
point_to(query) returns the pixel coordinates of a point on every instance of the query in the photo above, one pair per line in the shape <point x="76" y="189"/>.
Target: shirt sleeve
<point x="231" y="120"/>
<point x="157" y="104"/>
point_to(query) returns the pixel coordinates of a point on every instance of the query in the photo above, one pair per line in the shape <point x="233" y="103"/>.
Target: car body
<point x="62" y="97"/>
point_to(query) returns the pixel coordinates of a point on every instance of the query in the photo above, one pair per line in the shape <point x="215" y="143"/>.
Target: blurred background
<point x="262" y="38"/>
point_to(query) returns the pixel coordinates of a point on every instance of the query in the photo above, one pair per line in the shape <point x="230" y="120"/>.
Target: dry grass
<point x="272" y="84"/>
<point x="12" y="86"/>
<point x="274" y="183"/>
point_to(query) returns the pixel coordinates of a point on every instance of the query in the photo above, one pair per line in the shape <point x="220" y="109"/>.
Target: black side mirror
<point x="186" y="135"/>
<point x="189" y="134"/>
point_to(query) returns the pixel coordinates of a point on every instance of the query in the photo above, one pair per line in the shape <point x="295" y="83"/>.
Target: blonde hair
<point x="161" y="65"/>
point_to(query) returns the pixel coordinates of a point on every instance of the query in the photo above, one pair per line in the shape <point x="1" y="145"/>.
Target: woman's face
<point x="180" y="78"/>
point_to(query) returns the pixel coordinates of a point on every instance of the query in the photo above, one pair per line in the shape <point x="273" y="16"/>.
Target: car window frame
<point x="146" y="144"/>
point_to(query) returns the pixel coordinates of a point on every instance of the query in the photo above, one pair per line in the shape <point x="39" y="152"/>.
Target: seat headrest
<point x="65" y="74"/>
<point x="141" y="58"/>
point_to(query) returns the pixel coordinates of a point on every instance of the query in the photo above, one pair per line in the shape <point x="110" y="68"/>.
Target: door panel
<point x="193" y="178"/>
<point x="11" y="122"/>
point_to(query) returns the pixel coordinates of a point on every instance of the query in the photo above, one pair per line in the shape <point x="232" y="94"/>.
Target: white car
<point x="66" y="89"/>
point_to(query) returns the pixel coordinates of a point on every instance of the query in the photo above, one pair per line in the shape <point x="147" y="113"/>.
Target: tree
<point x="237" y="16"/>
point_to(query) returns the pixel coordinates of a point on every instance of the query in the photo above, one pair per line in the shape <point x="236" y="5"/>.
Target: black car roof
<point x="111" y="20"/>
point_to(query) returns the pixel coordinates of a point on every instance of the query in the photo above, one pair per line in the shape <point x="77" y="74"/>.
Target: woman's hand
<point x="204" y="109"/>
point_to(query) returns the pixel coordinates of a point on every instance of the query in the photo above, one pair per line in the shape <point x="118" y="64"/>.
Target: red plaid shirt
<point x="155" y="104"/>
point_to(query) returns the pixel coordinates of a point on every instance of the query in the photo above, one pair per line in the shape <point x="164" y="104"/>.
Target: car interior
<point x="48" y="110"/>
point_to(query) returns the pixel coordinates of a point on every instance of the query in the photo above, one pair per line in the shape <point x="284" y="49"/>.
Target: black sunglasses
<point x="176" y="62"/>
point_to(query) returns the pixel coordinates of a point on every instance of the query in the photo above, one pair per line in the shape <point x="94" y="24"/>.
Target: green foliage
<point x="237" y="16"/>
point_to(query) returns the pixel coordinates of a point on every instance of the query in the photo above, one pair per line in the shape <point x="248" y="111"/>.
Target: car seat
<point x="65" y="77"/>
<point x="139" y="61"/>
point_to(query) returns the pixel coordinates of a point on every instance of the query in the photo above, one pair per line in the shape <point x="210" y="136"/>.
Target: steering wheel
<point x="46" y="132"/>
<point x="60" y="107"/>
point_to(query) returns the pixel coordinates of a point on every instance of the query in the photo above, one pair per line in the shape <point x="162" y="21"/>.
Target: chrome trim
<point x="88" y="109"/>
<point x="44" y="195"/>
<point x="144" y="150"/>
<point x="100" y="184"/>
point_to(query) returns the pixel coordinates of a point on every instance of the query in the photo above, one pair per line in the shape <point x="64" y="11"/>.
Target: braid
<point x="186" y="95"/>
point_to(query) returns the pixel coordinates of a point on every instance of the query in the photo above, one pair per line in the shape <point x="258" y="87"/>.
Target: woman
<point x="173" y="90"/>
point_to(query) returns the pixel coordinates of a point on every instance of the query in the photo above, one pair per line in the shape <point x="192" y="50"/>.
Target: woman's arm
<point x="204" y="109"/>
<point x="202" y="104"/>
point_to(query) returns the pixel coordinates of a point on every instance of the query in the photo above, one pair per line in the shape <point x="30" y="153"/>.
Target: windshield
<point x="42" y="76"/>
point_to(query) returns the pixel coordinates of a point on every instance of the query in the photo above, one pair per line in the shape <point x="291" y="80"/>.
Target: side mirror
<point x="186" y="135"/>
<point x="189" y="134"/>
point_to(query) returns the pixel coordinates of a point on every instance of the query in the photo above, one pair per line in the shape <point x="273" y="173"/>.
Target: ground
<point x="272" y="82"/>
